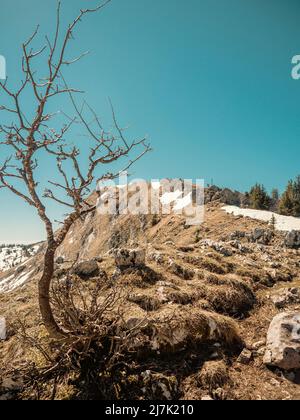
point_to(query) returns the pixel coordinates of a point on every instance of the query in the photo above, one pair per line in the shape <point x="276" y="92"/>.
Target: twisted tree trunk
<point x="44" y="294"/>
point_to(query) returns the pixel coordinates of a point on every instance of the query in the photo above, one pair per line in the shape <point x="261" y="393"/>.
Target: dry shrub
<point x="93" y="359"/>
<point x="213" y="375"/>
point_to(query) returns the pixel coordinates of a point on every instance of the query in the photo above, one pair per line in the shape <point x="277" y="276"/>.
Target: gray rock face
<point x="283" y="341"/>
<point x="292" y="239"/>
<point x="2" y="328"/>
<point x="87" y="269"/>
<point x="287" y="296"/>
<point x="218" y="247"/>
<point x="261" y="236"/>
<point x="225" y="196"/>
<point x="237" y="235"/>
<point x="126" y="258"/>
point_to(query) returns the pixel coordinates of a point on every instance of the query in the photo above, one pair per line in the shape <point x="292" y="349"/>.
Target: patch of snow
<point x="13" y="282"/>
<point x="14" y="255"/>
<point x="283" y="223"/>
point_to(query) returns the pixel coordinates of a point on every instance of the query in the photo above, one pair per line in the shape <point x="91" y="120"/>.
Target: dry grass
<point x="206" y="263"/>
<point x="213" y="375"/>
<point x="174" y="330"/>
<point x="230" y="296"/>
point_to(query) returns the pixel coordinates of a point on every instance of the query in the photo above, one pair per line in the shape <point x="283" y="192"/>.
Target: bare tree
<point x="26" y="137"/>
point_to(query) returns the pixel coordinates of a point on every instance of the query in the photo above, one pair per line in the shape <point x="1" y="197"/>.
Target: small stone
<point x="258" y="345"/>
<point x="285" y="297"/>
<point x="261" y="352"/>
<point x="245" y="357"/>
<point x="10" y="384"/>
<point x="6" y="397"/>
<point x="274" y="382"/>
<point x="186" y="248"/>
<point x="206" y="398"/>
<point x="21" y="299"/>
<point x="2" y="328"/>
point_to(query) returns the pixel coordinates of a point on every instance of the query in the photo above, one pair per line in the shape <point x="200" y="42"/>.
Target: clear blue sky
<point x="208" y="80"/>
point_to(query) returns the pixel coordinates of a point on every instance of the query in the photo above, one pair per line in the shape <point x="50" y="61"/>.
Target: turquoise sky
<point x="209" y="81"/>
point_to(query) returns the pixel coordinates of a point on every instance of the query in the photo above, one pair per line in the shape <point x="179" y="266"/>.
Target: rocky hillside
<point x="217" y="306"/>
<point x="14" y="255"/>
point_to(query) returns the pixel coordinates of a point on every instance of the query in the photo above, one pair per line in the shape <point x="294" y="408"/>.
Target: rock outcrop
<point x="261" y="236"/>
<point x="286" y="296"/>
<point x="292" y="239"/>
<point x="87" y="269"/>
<point x="130" y="258"/>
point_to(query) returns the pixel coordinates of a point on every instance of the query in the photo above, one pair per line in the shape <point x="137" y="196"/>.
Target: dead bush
<point x="93" y="360"/>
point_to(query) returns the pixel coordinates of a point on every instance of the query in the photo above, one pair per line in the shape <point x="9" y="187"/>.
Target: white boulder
<point x="283" y="341"/>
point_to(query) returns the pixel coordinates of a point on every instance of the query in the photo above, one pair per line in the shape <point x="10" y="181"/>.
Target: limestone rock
<point x="87" y="269"/>
<point x="261" y="236"/>
<point x="283" y="341"/>
<point x="285" y="297"/>
<point x="292" y="239"/>
<point x="126" y="258"/>
<point x="245" y="357"/>
<point x="219" y="247"/>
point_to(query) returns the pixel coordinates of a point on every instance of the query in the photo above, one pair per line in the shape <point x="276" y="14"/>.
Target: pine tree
<point x="296" y="197"/>
<point x="275" y="194"/>
<point x="259" y="198"/>
<point x="273" y="222"/>
<point x="287" y="203"/>
<point x="275" y="200"/>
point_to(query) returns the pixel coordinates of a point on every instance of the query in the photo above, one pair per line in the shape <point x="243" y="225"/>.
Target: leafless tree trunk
<point x="25" y="137"/>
